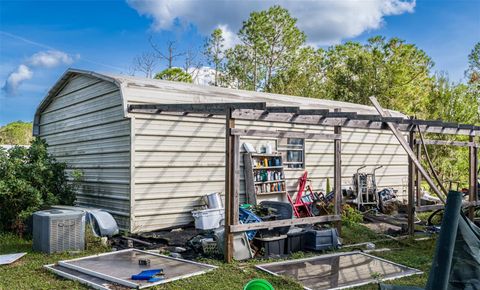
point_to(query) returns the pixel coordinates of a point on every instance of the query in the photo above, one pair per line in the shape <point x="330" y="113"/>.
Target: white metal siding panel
<point x="179" y="159"/>
<point x="84" y="127"/>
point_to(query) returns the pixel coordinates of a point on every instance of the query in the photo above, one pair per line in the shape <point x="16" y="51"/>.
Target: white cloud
<point x="231" y="38"/>
<point x="42" y="59"/>
<point x="324" y="21"/>
<point x="50" y="58"/>
<point x="22" y="73"/>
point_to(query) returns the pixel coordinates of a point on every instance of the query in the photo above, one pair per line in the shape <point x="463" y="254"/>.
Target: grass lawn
<point x="27" y="273"/>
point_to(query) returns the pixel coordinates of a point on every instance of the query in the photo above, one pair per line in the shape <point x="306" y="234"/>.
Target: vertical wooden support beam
<point x="229" y="184"/>
<point x="411" y="187"/>
<point x="473" y="183"/>
<point x="236" y="180"/>
<point x="337" y="175"/>
<point x="419" y="176"/>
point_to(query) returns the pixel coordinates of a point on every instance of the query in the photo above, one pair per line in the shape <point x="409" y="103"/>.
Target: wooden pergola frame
<point x="259" y="111"/>
<point x="473" y="172"/>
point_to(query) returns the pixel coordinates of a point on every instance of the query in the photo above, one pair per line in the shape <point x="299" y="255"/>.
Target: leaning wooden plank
<point x="405" y="146"/>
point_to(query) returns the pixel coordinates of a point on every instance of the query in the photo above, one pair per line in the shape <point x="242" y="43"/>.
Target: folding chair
<point x="301" y="206"/>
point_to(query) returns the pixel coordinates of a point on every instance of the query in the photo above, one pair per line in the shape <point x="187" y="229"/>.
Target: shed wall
<point x="85" y="127"/>
<point x="179" y="159"/>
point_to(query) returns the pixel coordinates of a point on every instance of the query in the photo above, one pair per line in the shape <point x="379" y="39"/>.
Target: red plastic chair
<point x="301" y="206"/>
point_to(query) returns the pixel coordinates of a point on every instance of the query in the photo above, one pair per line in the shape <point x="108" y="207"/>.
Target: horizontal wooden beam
<point x="359" y="121"/>
<point x="446" y="142"/>
<point x="284" y="223"/>
<point x="202" y="108"/>
<point x="285" y="134"/>
<point x="278" y="109"/>
<point x="318" y="112"/>
<point x="432" y="207"/>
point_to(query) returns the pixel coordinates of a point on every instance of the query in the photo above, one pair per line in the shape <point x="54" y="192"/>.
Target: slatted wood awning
<point x="261" y="112"/>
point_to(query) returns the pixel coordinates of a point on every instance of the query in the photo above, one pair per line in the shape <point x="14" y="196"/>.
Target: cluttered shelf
<point x="270" y="181"/>
<point x="271" y="192"/>
<point x="267" y="167"/>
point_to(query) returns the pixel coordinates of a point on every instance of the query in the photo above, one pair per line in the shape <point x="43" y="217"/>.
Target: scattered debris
<point x="10" y="258"/>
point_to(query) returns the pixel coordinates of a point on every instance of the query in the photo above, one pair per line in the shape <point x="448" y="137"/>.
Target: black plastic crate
<point x="318" y="240"/>
<point x="272" y="246"/>
<point x="295" y="242"/>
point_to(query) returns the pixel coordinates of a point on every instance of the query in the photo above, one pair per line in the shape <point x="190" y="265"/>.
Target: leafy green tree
<point x="270" y="39"/>
<point x="398" y="74"/>
<point x="30" y="180"/>
<point x="215" y="52"/>
<point x="239" y="72"/>
<point x="473" y="71"/>
<point x="305" y="75"/>
<point x="451" y="102"/>
<point x="16" y="133"/>
<point x="174" y="74"/>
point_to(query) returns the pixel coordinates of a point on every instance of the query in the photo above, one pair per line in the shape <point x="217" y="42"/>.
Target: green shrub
<point x="30" y="179"/>
<point x="351" y="216"/>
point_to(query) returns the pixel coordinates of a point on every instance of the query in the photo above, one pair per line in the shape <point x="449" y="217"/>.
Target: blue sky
<point x="40" y="39"/>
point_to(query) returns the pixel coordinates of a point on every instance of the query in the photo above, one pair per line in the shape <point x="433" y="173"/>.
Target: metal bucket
<point x="213" y="200"/>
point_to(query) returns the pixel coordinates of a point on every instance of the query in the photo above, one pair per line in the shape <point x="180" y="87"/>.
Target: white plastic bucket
<point x="208" y="219"/>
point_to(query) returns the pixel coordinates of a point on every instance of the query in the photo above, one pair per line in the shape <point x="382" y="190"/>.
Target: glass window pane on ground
<point x="339" y="271"/>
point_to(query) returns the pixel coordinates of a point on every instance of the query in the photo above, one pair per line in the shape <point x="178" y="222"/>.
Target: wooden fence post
<point x="419" y="176"/>
<point x="473" y="178"/>
<point x="337" y="175"/>
<point x="229" y="184"/>
<point x="411" y="186"/>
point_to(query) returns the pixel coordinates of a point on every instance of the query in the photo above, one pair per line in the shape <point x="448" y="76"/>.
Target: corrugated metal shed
<point x="151" y="170"/>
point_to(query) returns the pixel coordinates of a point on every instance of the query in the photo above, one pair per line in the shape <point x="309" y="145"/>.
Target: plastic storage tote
<point x="208" y="219"/>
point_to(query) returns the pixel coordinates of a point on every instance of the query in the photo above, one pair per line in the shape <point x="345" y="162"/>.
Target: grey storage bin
<point x="241" y="247"/>
<point x="58" y="230"/>
<point x="317" y="240"/>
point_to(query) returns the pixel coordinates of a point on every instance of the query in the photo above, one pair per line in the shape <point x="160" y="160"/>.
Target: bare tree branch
<point x="170" y="54"/>
<point x="145" y="63"/>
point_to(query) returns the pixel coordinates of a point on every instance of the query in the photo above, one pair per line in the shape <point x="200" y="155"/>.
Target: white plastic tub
<point x="208" y="219"/>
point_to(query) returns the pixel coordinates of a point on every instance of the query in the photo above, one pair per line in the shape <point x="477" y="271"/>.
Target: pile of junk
<point x="264" y="243"/>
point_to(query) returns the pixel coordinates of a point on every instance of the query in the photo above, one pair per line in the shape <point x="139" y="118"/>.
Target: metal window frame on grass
<point x="127" y="283"/>
<point x="415" y="271"/>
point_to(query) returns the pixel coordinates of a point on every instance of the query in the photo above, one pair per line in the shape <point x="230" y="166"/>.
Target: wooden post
<point x="337" y="175"/>
<point x="411" y="186"/>
<point x="419" y="176"/>
<point x="473" y="183"/>
<point x="229" y="184"/>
